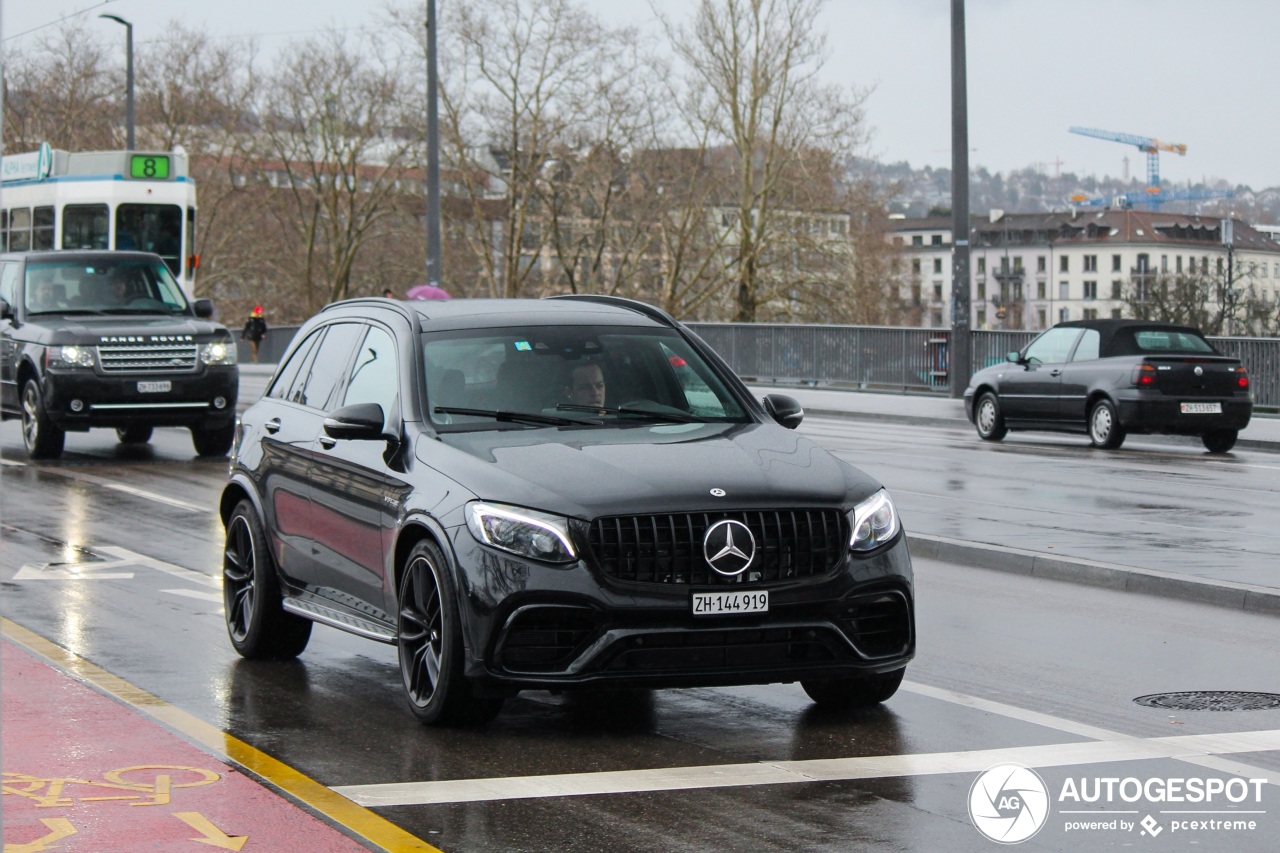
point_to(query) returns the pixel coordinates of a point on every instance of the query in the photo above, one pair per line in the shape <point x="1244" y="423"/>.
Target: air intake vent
<point x="545" y="639"/>
<point x="879" y="624"/>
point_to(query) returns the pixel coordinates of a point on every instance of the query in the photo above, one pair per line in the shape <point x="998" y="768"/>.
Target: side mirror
<point x="6" y="310"/>
<point x="1015" y="357"/>
<point x="203" y="308"/>
<point x="357" y="422"/>
<point x="785" y="410"/>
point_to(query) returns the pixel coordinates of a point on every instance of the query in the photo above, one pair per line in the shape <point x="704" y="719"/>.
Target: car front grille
<point x="140" y="357"/>
<point x="667" y="549"/>
<point x="879" y="623"/>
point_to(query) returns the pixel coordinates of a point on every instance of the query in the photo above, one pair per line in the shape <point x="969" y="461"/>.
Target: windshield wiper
<point x="632" y="411"/>
<point x="65" y="311"/>
<point x="513" y="417"/>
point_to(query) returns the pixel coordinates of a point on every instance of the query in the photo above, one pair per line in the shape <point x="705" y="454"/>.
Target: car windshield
<point x="133" y="286"/>
<point x="570" y="376"/>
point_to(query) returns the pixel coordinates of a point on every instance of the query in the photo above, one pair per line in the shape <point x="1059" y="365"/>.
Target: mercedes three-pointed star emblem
<point x="729" y="547"/>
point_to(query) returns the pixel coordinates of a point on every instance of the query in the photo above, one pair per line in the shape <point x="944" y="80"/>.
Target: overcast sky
<point x="1183" y="71"/>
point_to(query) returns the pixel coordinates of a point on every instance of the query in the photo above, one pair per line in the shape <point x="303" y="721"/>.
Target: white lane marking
<point x="189" y="575"/>
<point x="122" y="557"/>
<point x="815" y="770"/>
<point x="213" y="597"/>
<point x="11" y="464"/>
<point x="130" y="490"/>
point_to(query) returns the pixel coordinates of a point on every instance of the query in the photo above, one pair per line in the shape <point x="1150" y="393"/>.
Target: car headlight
<point x="875" y="522"/>
<point x="218" y="352"/>
<point x="71" y="356"/>
<point x="526" y="532"/>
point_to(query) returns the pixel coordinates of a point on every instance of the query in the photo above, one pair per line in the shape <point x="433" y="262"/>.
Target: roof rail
<point x="635" y="305"/>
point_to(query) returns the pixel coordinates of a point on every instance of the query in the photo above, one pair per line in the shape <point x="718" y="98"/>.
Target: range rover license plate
<point x="154" y="387"/>
<point x="730" y="603"/>
<point x="1201" y="408"/>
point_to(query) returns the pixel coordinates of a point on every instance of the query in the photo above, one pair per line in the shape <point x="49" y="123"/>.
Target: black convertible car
<point x="1108" y="378"/>
<point x="557" y="493"/>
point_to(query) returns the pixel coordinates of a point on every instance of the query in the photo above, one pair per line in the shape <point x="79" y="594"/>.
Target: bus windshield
<point x="114" y="287"/>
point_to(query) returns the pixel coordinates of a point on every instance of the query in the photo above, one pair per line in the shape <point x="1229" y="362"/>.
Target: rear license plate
<point x="154" y="387"/>
<point x="1201" y="408"/>
<point x="728" y="603"/>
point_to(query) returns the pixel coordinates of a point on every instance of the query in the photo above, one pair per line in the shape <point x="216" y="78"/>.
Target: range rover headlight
<point x="71" y="356"/>
<point x="218" y="352"/>
<point x="875" y="522"/>
<point x="526" y="532"/>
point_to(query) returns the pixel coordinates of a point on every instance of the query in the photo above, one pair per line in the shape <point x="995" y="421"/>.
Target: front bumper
<point x="532" y="626"/>
<point x="77" y="400"/>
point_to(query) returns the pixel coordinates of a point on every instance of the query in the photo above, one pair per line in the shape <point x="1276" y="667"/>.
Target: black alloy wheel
<point x="215" y="441"/>
<point x="429" y="641"/>
<point x="861" y="692"/>
<point x="42" y="438"/>
<point x="1220" y="440"/>
<point x="1104" y="426"/>
<point x="134" y="434"/>
<point x="258" y="626"/>
<point x="988" y="419"/>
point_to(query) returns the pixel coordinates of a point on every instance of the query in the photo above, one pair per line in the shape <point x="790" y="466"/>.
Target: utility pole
<point x="128" y="75"/>
<point x="960" y="347"/>
<point x="433" y="154"/>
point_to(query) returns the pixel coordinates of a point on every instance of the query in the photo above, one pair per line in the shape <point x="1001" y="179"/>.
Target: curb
<point x="1237" y="596"/>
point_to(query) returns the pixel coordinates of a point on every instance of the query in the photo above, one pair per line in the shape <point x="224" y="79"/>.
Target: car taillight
<point x="1144" y="375"/>
<point x="1242" y="377"/>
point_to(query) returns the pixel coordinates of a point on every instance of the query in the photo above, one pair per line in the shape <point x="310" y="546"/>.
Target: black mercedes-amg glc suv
<point x="561" y="493"/>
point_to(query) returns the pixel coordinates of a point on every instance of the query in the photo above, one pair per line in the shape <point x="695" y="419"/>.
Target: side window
<point x="289" y="372"/>
<point x="374" y="378"/>
<point x="1087" y="349"/>
<point x="9" y="282"/>
<point x="1053" y="346"/>
<point x="327" y="368"/>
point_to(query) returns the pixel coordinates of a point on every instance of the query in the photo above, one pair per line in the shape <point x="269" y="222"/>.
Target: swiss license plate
<point x="1201" y="408"/>
<point x="729" y="603"/>
<point x="154" y="387"/>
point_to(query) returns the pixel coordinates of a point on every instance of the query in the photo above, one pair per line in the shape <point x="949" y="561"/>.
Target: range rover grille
<point x="139" y="357"/>
<point x="667" y="549"/>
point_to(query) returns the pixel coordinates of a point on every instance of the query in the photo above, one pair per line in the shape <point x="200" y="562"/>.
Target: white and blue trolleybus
<point x="140" y="200"/>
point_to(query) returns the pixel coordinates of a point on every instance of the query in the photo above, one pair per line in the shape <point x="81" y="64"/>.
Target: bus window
<point x="152" y="228"/>
<point x="4" y="230"/>
<point x="42" y="228"/>
<point x="84" y="226"/>
<point x="20" y="229"/>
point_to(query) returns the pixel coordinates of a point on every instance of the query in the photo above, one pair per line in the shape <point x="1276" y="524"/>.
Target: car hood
<point x="588" y="473"/>
<point x="91" y="329"/>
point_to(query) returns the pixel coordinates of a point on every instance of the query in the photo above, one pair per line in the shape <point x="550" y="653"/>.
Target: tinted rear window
<point x="1159" y="341"/>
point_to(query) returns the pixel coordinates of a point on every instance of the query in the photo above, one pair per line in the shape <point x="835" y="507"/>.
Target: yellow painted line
<point x="344" y="812"/>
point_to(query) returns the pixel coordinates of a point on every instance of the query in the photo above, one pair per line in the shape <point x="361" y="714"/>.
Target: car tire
<point x="213" y="442"/>
<point x="136" y="434"/>
<point x="988" y="419"/>
<point x="42" y="438"/>
<point x="860" y="692"/>
<point x="1104" y="426"/>
<point x="1220" y="440"/>
<point x="259" y="627"/>
<point x="429" y="643"/>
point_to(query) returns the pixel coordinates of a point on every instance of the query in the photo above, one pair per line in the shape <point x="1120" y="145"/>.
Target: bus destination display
<point x="153" y="167"/>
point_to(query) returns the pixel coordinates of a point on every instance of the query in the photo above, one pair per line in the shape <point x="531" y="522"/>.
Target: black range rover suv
<point x="107" y="339"/>
<point x="561" y="493"/>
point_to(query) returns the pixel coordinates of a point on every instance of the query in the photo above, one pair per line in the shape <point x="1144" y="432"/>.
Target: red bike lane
<point x="96" y="773"/>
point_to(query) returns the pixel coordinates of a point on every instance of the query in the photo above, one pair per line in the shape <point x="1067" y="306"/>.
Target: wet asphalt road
<point x="1032" y="667"/>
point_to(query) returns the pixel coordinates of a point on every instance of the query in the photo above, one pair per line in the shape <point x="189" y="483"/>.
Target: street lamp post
<point x="128" y="73"/>
<point x="433" y="153"/>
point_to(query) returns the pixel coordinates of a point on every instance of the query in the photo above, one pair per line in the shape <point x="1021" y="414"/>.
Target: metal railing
<point x="873" y="358"/>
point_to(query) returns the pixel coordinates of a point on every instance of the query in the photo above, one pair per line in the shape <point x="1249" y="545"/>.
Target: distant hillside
<point x="916" y="192"/>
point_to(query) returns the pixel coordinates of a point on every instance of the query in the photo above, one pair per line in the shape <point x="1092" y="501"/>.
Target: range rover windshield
<point x="134" y="286"/>
<point x="540" y="376"/>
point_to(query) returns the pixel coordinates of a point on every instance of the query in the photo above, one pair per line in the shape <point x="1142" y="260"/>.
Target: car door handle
<point x="327" y="443"/>
<point x="1055" y="372"/>
<point x="272" y="426"/>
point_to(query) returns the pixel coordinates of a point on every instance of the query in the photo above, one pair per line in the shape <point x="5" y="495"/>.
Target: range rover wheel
<point x="43" y="439"/>
<point x="1220" y="440"/>
<point x="987" y="418"/>
<point x="854" y="692"/>
<point x="136" y="434"/>
<point x="258" y="626"/>
<point x="1104" y="426"/>
<point x="215" y="441"/>
<point x="429" y="640"/>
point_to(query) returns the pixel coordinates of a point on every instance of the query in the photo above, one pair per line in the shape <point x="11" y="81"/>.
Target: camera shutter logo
<point x="729" y="547"/>
<point x="1008" y="803"/>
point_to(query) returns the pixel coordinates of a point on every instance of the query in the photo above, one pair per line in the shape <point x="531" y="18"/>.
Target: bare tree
<point x="753" y="67"/>
<point x="63" y="90"/>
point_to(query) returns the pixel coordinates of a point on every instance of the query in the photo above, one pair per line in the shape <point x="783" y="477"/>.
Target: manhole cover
<point x="1211" y="700"/>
